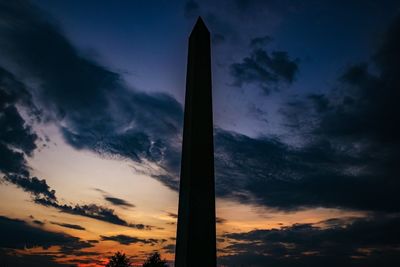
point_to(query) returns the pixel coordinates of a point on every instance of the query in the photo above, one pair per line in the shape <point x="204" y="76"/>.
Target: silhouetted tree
<point x="119" y="260"/>
<point x="154" y="260"/>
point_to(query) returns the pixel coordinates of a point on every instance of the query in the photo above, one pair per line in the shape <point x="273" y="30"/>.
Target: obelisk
<point x="195" y="242"/>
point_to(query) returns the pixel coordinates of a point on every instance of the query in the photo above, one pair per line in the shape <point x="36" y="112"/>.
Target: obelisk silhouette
<point x="195" y="242"/>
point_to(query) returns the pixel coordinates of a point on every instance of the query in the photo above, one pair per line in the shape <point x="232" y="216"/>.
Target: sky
<point x="306" y="126"/>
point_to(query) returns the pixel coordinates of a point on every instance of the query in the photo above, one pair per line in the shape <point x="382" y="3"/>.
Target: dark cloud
<point x="15" y="132"/>
<point x="17" y="234"/>
<point x="17" y="138"/>
<point x="368" y="241"/>
<point x="37" y="187"/>
<point x="173" y="215"/>
<point x="118" y="201"/>
<point x="271" y="173"/>
<point x="127" y="240"/>
<point x="37" y="222"/>
<point x="92" y="211"/>
<point x="71" y="226"/>
<point x="10" y="258"/>
<point x="220" y="220"/>
<point x="265" y="70"/>
<point x="88" y="261"/>
<point x="76" y="249"/>
<point x="169" y="248"/>
<point x="322" y="173"/>
<point x="12" y="161"/>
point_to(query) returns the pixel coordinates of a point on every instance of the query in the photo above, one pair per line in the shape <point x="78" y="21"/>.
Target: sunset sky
<point x="306" y="130"/>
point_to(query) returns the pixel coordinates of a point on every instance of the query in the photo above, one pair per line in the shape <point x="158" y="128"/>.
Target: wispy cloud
<point x="92" y="211"/>
<point x="127" y="240"/>
<point x="68" y="225"/>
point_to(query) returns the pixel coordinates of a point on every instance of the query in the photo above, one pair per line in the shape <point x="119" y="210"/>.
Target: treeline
<point x="121" y="260"/>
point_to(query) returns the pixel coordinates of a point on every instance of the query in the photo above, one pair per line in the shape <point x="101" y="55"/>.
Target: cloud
<point x="37" y="222"/>
<point x="17" y="234"/>
<point x="346" y="242"/>
<point x="92" y="211"/>
<point x="114" y="200"/>
<point x="17" y="138"/>
<point x="175" y="216"/>
<point x="37" y="187"/>
<point x="169" y="248"/>
<point x="172" y="215"/>
<point x="270" y="173"/>
<point x="127" y="240"/>
<point x="12" y="161"/>
<point x="265" y="70"/>
<point x="71" y="226"/>
<point x="33" y="260"/>
<point x="220" y="220"/>
<point x="15" y="132"/>
<point x="276" y="175"/>
<point x="118" y="202"/>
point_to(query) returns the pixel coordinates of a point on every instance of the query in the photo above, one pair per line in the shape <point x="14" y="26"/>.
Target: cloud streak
<point x="118" y="201"/>
<point x="71" y="226"/>
<point x="92" y="211"/>
<point x="127" y="240"/>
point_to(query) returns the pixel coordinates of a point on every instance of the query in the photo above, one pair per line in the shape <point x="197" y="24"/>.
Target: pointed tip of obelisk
<point x="200" y="25"/>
